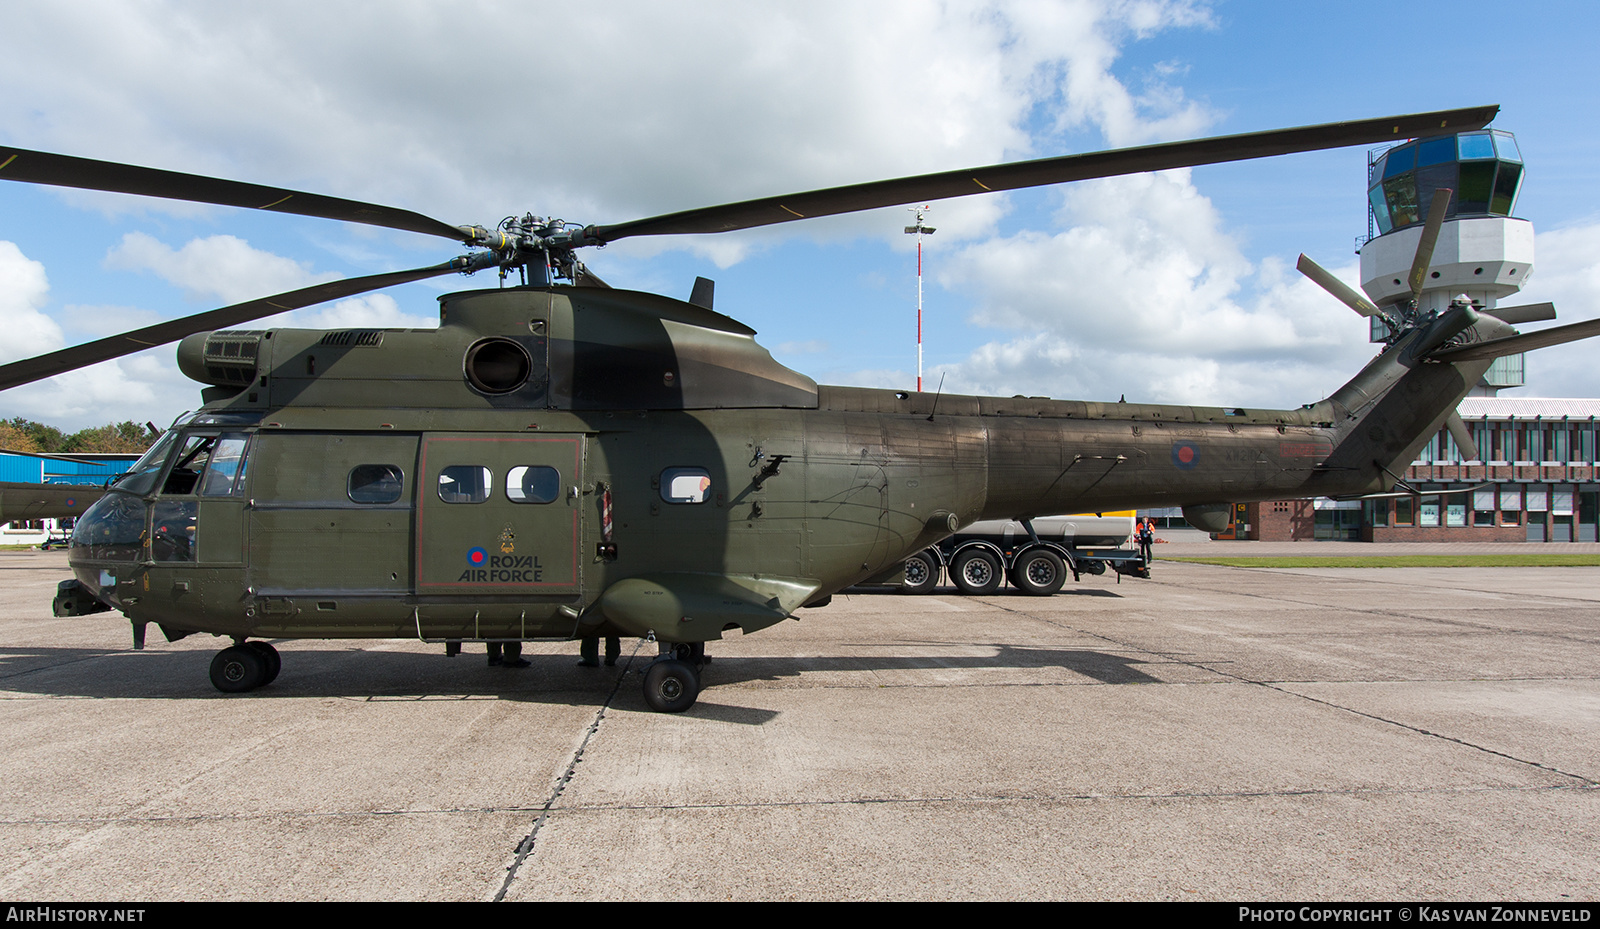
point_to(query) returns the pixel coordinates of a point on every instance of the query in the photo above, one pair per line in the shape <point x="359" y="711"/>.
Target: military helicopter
<point x="561" y="459"/>
<point x="26" y="500"/>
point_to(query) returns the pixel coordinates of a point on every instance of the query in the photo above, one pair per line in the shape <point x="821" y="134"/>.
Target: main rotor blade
<point x="1016" y="175"/>
<point x="19" y="164"/>
<point x="80" y="356"/>
<point x="1346" y="294"/>
<point x="1430" y="238"/>
<point x="1526" y="342"/>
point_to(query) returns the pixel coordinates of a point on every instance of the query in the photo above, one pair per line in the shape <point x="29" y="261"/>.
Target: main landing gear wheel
<point x="270" y="656"/>
<point x="1040" y="573"/>
<point x="671" y="686"/>
<point x="238" y="668"/>
<point x="922" y="574"/>
<point x="976" y="571"/>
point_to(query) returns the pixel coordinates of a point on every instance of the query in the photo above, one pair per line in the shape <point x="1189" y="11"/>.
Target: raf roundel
<point x="477" y="556"/>
<point x="1185" y="455"/>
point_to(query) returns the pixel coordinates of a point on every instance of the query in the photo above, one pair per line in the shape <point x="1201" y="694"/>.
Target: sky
<point x="1177" y="287"/>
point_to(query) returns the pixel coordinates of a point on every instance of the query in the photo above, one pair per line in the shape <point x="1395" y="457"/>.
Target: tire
<point x="237" y="669"/>
<point x="922" y="574"/>
<point x="1039" y="572"/>
<point x="670" y="686"/>
<point x="274" y="661"/>
<point x="976" y="572"/>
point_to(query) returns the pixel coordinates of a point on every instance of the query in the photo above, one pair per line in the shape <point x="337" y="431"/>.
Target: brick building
<point x="1535" y="481"/>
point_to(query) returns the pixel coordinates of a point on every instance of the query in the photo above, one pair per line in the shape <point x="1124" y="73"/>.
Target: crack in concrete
<point x="526" y="846"/>
<point x="1078" y="797"/>
<point x="1269" y="685"/>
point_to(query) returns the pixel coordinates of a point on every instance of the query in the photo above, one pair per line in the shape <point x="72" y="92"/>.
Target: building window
<point x="1511" y="505"/>
<point x="1483" y="507"/>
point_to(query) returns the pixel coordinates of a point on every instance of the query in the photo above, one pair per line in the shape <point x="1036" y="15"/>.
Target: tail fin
<point x="1386" y="413"/>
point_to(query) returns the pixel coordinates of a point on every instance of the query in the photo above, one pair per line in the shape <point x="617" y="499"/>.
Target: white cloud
<point x="222" y="267"/>
<point x="1566" y="273"/>
<point x="648" y="108"/>
<point x="1146" y="294"/>
<point x="366" y="311"/>
<point x="23" y="288"/>
<point x="127" y="389"/>
<point x="1079" y="40"/>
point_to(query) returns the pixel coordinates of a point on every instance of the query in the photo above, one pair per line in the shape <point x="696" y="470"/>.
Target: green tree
<point x="45" y="438"/>
<point x="114" y="437"/>
<point x="22" y="435"/>
<point x="15" y="439"/>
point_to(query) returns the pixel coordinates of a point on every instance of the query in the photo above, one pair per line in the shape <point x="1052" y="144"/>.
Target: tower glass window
<point x="1484" y="169"/>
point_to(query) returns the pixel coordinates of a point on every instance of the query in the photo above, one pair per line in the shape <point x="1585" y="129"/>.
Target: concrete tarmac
<point x="1211" y="734"/>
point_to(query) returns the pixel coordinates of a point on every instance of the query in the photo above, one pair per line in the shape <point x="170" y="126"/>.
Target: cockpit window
<point x="184" y="477"/>
<point x="225" y="475"/>
<point x="141" y="479"/>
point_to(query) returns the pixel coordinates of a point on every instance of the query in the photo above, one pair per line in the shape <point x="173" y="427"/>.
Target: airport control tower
<point x="1482" y="251"/>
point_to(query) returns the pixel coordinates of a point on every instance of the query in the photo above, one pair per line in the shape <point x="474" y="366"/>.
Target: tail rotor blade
<point x="1526" y="342"/>
<point x="1527" y="313"/>
<point x="1463" y="437"/>
<point x="1430" y="238"/>
<point x="1341" y="291"/>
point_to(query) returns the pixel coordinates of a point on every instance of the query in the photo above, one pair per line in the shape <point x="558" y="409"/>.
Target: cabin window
<point x="464" y="484"/>
<point x="375" y="483"/>
<point x="685" y="485"/>
<point x="533" y="484"/>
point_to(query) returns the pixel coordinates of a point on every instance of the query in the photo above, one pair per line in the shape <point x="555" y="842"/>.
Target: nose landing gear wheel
<point x="269" y="655"/>
<point x="237" y="669"/>
<point x="670" y="686"/>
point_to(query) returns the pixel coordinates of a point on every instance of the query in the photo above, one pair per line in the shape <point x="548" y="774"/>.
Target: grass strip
<point x="1398" y="561"/>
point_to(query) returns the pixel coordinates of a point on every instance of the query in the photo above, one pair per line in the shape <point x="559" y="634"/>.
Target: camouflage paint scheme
<point x="808" y="489"/>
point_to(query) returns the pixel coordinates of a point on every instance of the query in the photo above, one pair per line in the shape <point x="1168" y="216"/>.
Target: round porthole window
<point x="498" y="366"/>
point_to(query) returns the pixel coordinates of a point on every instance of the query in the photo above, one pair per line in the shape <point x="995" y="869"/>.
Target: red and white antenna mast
<point x="919" y="230"/>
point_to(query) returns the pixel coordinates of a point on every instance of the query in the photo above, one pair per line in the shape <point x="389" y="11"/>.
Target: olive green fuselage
<point x="490" y="480"/>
